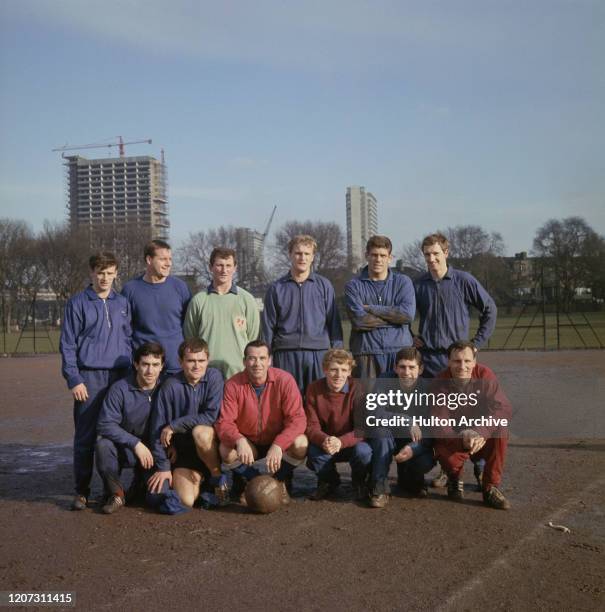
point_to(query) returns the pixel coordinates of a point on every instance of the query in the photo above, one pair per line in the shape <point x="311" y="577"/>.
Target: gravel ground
<point x="335" y="554"/>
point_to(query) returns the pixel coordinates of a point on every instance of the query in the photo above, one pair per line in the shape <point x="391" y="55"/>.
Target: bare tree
<point x="331" y="254"/>
<point x="127" y="242"/>
<point x="567" y="249"/>
<point x="468" y="241"/>
<point x="63" y="257"/>
<point x="474" y="250"/>
<point x="411" y="256"/>
<point x="21" y="275"/>
<point x="194" y="255"/>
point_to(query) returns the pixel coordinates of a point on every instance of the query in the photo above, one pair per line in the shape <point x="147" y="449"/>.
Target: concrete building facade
<point x="118" y="192"/>
<point x="362" y="223"/>
<point x="250" y="265"/>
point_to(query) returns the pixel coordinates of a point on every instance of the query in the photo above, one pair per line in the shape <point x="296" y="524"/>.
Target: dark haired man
<point x="381" y="306"/>
<point x="413" y="453"/>
<point x="159" y="303"/>
<point x="444" y="297"/>
<point x="123" y="425"/>
<point x="224" y="315"/>
<point x="96" y="351"/>
<point x="300" y="320"/>
<point x="262" y="416"/>
<point x="182" y="426"/>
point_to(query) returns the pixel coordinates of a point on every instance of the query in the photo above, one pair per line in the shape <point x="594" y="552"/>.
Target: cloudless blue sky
<point x="451" y="112"/>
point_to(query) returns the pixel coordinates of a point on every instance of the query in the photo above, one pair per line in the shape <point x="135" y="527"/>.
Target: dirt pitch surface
<point x="335" y="554"/>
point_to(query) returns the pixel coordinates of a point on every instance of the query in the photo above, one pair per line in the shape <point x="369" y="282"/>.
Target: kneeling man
<point x="329" y="404"/>
<point x="262" y="416"/>
<point x="123" y="425"/>
<point x="182" y="428"/>
<point x="488" y="440"/>
<point x="414" y="453"/>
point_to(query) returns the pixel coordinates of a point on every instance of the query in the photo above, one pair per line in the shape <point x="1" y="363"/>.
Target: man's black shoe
<point x="455" y="489"/>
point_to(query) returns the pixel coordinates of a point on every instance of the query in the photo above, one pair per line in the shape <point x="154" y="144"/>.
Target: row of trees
<point x="568" y="253"/>
<point x="56" y="260"/>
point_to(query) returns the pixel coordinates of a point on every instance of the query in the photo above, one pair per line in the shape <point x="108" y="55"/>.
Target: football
<point x="263" y="494"/>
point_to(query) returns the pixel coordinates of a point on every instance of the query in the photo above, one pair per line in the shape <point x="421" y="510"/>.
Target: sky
<point x="450" y="112"/>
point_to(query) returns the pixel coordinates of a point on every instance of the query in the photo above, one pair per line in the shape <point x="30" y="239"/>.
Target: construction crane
<point x="120" y="144"/>
<point x="268" y="226"/>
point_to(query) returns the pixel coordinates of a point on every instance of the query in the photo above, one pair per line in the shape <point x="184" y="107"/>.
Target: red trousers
<point x="451" y="455"/>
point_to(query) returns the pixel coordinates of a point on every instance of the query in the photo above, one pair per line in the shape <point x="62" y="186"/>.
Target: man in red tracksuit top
<point x="455" y="444"/>
<point x="261" y="416"/>
<point x="329" y="404"/>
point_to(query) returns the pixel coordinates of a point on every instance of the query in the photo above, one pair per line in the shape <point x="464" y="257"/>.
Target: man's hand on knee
<point x="156" y="482"/>
<point x="274" y="456"/>
<point x="244" y="451"/>
<point x="472" y="441"/>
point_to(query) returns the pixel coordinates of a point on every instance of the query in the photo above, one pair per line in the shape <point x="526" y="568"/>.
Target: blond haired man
<point x="300" y="319"/>
<point x="329" y="404"/>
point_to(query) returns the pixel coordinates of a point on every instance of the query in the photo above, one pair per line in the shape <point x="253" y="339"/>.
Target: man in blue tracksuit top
<point x="158" y="302"/>
<point x="381" y="306"/>
<point x="96" y="351"/>
<point x="444" y="297"/>
<point x="182" y="431"/>
<point x="123" y="425"/>
<point x="300" y="319"/>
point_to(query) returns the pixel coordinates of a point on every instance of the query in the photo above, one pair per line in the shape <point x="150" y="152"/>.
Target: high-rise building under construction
<point x="116" y="193"/>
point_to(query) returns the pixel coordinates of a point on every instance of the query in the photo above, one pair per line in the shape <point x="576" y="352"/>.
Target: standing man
<point x="224" y="315"/>
<point x="330" y="409"/>
<point x="381" y="306"/>
<point x="182" y="427"/>
<point x="158" y="302"/>
<point x="96" y="351"/>
<point x="123" y="425"/>
<point x="262" y="416"/>
<point x="488" y="440"/>
<point x="444" y="297"/>
<point x="300" y="320"/>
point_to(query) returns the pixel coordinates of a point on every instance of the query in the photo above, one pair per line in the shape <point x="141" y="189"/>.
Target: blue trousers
<point x="304" y="365"/>
<point x="372" y="366"/>
<point x="410" y="474"/>
<point x="111" y="459"/>
<point x="85" y="421"/>
<point x="324" y="464"/>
